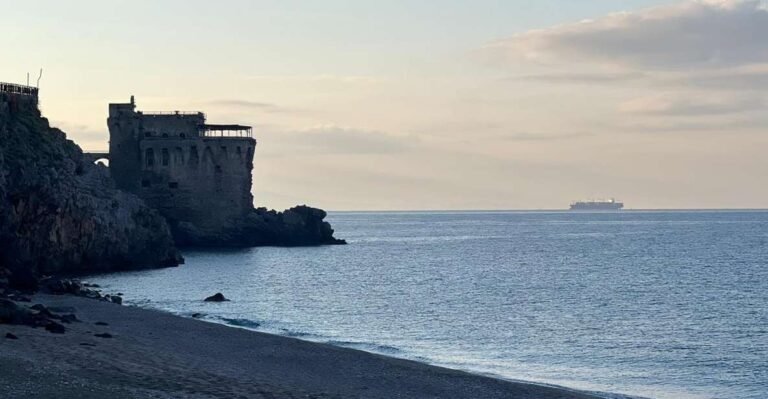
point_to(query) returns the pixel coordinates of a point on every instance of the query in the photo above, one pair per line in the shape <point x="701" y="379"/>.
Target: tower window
<point x="166" y="157"/>
<point x="150" y="157"/>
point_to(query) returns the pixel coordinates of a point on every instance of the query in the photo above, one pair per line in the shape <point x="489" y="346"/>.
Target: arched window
<point x="150" y="157"/>
<point x="178" y="156"/>
<point x="194" y="157"/>
<point x="166" y="157"/>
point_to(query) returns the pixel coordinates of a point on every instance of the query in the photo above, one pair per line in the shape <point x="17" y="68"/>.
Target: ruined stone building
<point x="196" y="174"/>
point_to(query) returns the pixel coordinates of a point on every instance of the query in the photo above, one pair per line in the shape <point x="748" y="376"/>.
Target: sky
<point x="412" y="105"/>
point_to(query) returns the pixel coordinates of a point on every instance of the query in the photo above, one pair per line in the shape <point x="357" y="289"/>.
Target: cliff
<point x="60" y="213"/>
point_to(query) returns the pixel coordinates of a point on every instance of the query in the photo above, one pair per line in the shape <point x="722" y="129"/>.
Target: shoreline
<point x="351" y="345"/>
<point x="152" y="353"/>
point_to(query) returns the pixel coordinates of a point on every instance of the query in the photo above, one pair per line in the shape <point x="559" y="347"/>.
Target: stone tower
<point x="196" y="174"/>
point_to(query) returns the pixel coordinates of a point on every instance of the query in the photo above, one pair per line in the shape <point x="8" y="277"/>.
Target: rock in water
<point x="59" y="212"/>
<point x="10" y="336"/>
<point x="217" y="297"/>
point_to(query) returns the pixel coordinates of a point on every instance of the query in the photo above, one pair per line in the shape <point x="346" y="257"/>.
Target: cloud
<point x="746" y="78"/>
<point x="331" y="139"/>
<point x="242" y="104"/>
<point x="582" y="77"/>
<point x="248" y="105"/>
<point x="669" y="104"/>
<point x="702" y="34"/>
<point x="544" y="137"/>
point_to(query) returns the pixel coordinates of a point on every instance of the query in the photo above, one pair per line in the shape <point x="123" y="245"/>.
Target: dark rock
<point x="103" y="335"/>
<point x="15" y="296"/>
<point x="10" y="313"/>
<point x="87" y="344"/>
<point x="58" y="286"/>
<point x="298" y="226"/>
<point x="68" y="318"/>
<point x="10" y="336"/>
<point x="217" y="297"/>
<point x="57" y="209"/>
<point x="197" y="315"/>
<point x="55" y="327"/>
<point x="62" y="309"/>
<point x="42" y="310"/>
<point x="101" y="323"/>
<point x="89" y="285"/>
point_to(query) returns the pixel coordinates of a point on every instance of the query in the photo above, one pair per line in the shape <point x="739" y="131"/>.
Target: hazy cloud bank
<point x="332" y="139"/>
<point x="694" y="34"/>
<point x="670" y="104"/>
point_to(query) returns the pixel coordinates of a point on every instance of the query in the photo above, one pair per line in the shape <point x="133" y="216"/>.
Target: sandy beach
<point x="151" y="354"/>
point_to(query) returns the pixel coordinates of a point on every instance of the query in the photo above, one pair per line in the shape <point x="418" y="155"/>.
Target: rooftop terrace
<point x="226" y="131"/>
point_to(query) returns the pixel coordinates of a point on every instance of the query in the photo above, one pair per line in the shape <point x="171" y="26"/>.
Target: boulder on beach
<point x="217" y="297"/>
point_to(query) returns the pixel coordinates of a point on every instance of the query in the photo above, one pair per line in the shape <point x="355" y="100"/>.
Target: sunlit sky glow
<point x="363" y="105"/>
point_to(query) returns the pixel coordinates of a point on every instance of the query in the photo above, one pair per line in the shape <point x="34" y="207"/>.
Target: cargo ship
<point x="597" y="205"/>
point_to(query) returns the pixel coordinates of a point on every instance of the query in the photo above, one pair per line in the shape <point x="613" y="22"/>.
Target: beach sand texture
<point x="157" y="355"/>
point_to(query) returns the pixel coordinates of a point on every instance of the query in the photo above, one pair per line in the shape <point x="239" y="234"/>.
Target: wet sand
<point x="158" y="355"/>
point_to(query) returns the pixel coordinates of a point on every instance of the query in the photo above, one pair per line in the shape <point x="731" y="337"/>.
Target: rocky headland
<point x="298" y="226"/>
<point x="60" y="213"/>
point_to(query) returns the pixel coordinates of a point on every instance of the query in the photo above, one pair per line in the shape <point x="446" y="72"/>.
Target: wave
<point x="367" y="346"/>
<point x="241" y="322"/>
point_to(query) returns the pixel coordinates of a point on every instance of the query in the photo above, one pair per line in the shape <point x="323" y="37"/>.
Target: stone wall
<point x="204" y="181"/>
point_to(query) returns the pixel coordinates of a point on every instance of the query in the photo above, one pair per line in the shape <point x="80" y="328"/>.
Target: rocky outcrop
<point x="60" y="213"/>
<point x="34" y="316"/>
<point x="217" y="297"/>
<point x="298" y="226"/>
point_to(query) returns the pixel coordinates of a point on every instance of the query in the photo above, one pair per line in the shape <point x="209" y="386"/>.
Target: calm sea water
<point x="653" y="304"/>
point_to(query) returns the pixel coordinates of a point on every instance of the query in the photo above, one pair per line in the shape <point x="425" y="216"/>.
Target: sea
<point x="650" y="304"/>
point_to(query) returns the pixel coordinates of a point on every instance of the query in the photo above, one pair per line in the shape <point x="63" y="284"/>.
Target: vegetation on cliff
<point x="60" y="213"/>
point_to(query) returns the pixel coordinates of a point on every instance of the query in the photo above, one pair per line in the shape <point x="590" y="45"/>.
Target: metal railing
<point x="226" y="131"/>
<point x="18" y="89"/>
<point x="162" y="113"/>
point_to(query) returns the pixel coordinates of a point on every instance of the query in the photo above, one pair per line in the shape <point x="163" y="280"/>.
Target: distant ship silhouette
<point x="597" y="205"/>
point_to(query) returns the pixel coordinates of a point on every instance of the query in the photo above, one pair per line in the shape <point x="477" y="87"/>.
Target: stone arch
<point x="194" y="156"/>
<point x="208" y="155"/>
<point x="178" y="156"/>
<point x="166" y="157"/>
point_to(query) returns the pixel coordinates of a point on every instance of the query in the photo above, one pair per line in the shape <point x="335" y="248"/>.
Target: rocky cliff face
<point x="61" y="213"/>
<point x="298" y="226"/>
